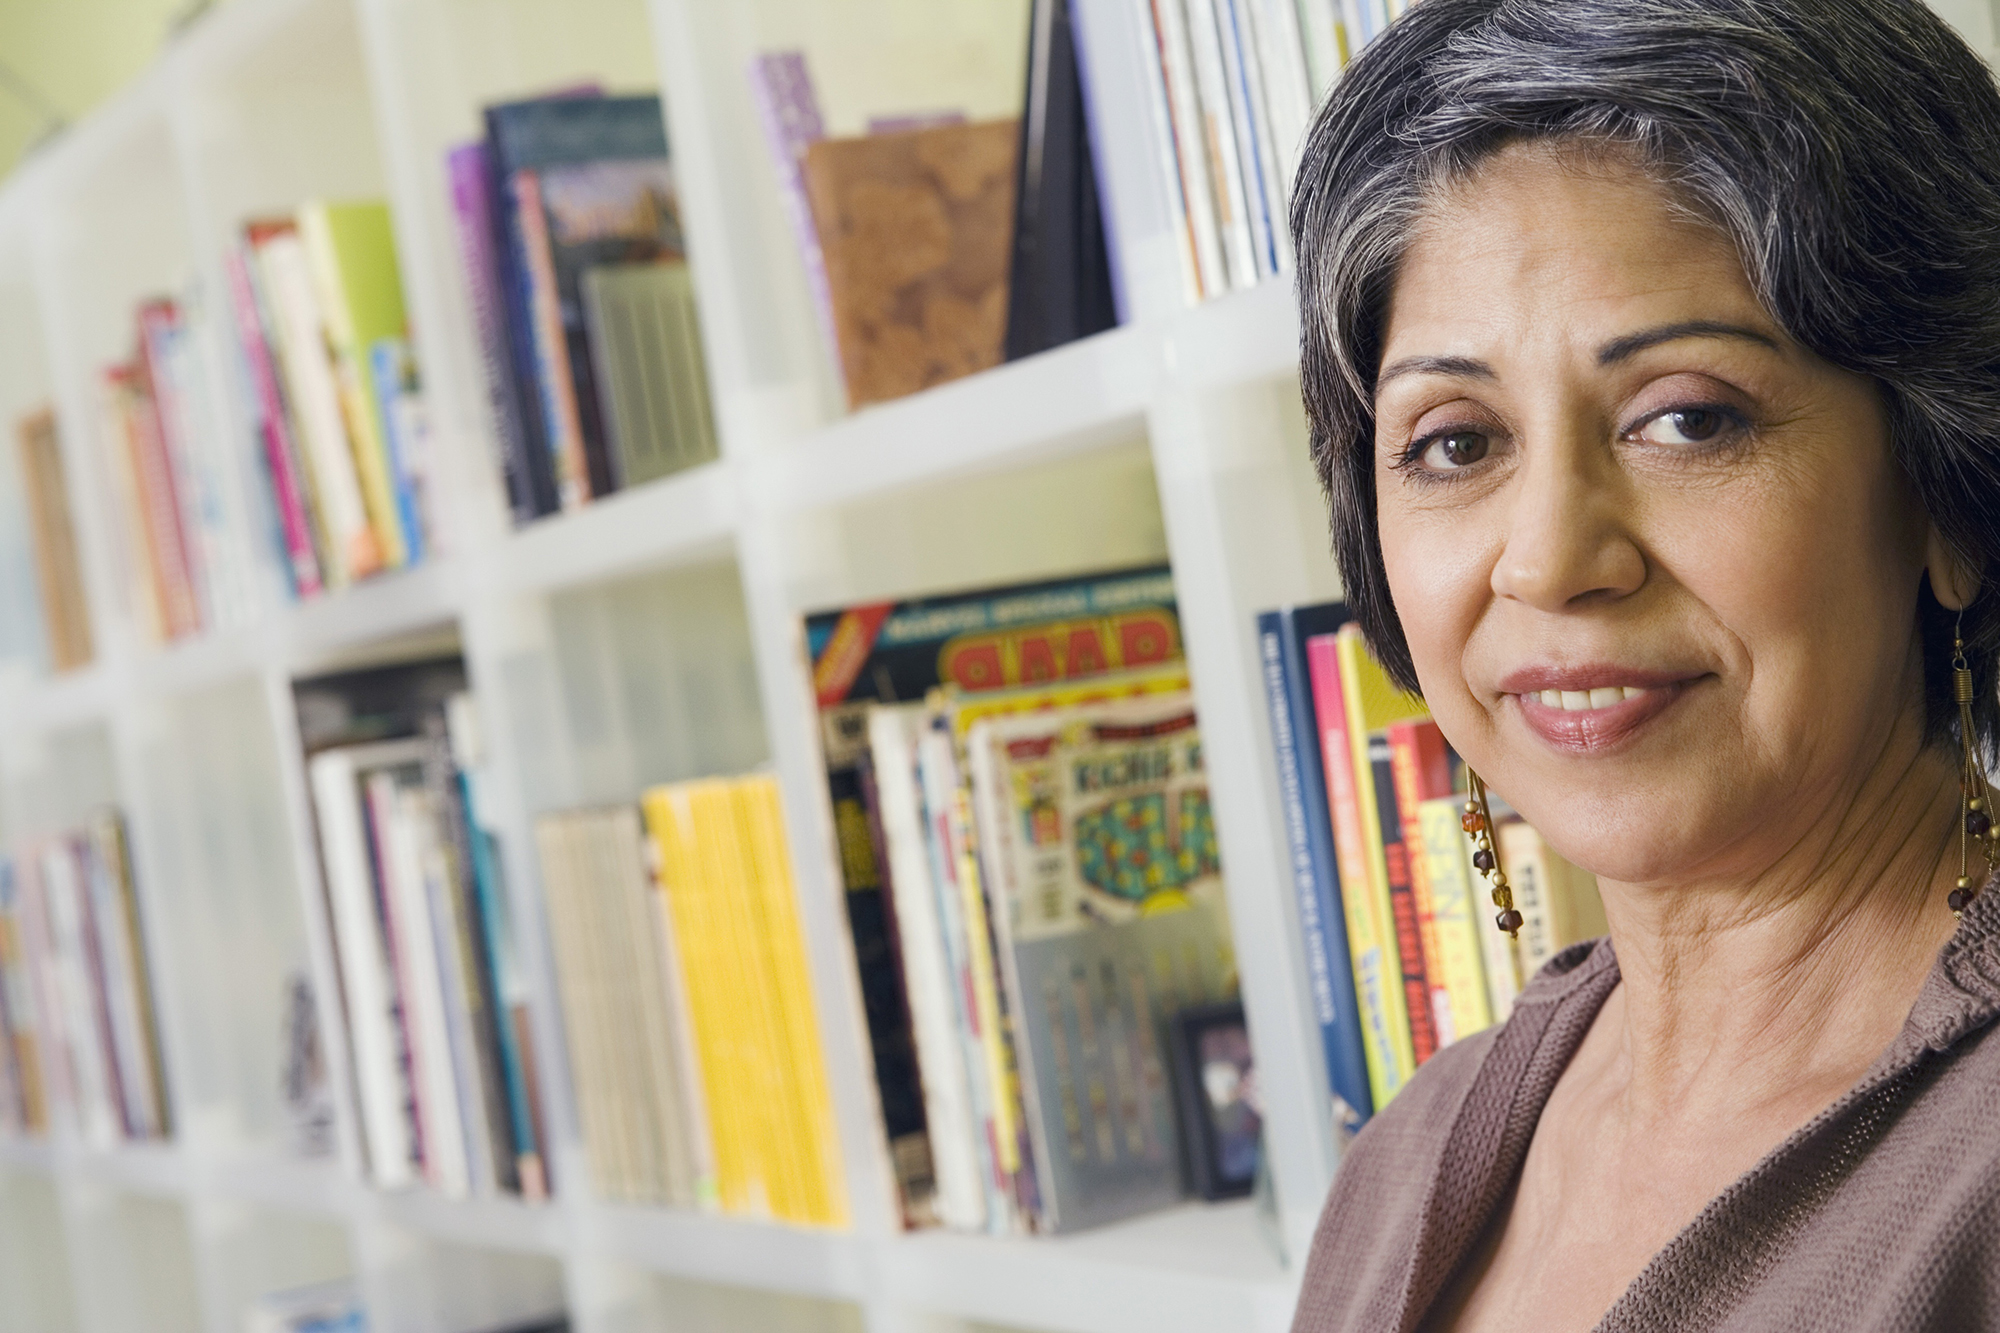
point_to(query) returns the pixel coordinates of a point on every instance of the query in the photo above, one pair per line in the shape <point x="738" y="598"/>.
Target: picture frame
<point x="1215" y="1090"/>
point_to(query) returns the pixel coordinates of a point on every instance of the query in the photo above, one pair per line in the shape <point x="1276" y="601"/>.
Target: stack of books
<point x="569" y="231"/>
<point x="1403" y="953"/>
<point x="188" y="541"/>
<point x="437" y="1029"/>
<point x="1232" y="94"/>
<point x="693" y="1036"/>
<point x="77" y="1023"/>
<point x="334" y="392"/>
<point x="58" y="569"/>
<point x="1033" y="887"/>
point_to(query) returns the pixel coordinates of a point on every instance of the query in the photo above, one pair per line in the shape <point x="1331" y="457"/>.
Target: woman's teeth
<point x="1583" y="701"/>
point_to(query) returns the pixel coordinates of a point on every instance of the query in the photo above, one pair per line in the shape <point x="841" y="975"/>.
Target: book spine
<point x="399" y="398"/>
<point x="1251" y="121"/>
<point x="1558" y="902"/>
<point x="1191" y="140"/>
<point x="354" y="395"/>
<point x="352" y="549"/>
<point x="1420" y="768"/>
<point x="152" y="472"/>
<point x="58" y="570"/>
<point x="1160" y="113"/>
<point x="1319" y="29"/>
<point x="1418" y="1006"/>
<point x="288" y="494"/>
<point x="788" y="111"/>
<point x="693" y="1095"/>
<point x="558" y="388"/>
<point x="1229" y="175"/>
<point x="1281" y="56"/>
<point x="1315" y="873"/>
<point x="473" y="207"/>
<point x="108" y="837"/>
<point x="99" y="961"/>
<point x="1458" y="915"/>
<point x="1096" y="145"/>
<point x="159" y="327"/>
<point x="1371" y="943"/>
<point x="118" y="968"/>
<point x="1358" y="25"/>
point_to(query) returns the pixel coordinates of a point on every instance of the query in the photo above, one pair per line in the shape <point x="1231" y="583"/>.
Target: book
<point x="25" y="1108"/>
<point x="399" y="395"/>
<point x="651" y="378"/>
<point x="1190" y="130"/>
<point x="1096" y="835"/>
<point x="1229" y="176"/>
<point x="1423" y="768"/>
<point x="525" y="468"/>
<point x="1558" y="901"/>
<point x="351" y="256"/>
<point x="1060" y="283"/>
<point x="327" y="1307"/>
<point x="915" y="229"/>
<point x="283" y="463"/>
<point x="725" y="878"/>
<point x="1314" y="862"/>
<point x="350" y="546"/>
<point x="58" y="569"/>
<point x="980" y="641"/>
<point x="1464" y="925"/>
<point x="1248" y="119"/>
<point x="156" y="517"/>
<point x="788" y="111"/>
<point x="593" y="143"/>
<point x="1419" y="1006"/>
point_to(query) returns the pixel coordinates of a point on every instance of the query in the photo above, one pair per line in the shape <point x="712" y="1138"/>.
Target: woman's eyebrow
<point x="1634" y="343"/>
<point x="1464" y="367"/>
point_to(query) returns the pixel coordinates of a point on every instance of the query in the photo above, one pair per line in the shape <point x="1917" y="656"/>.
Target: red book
<point x="1403" y="902"/>
<point x="1421" y="764"/>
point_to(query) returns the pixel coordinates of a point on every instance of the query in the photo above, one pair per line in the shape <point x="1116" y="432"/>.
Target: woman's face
<point x="1656" y="565"/>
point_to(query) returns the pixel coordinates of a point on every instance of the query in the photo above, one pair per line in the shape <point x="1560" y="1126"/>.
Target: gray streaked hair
<point x="1850" y="149"/>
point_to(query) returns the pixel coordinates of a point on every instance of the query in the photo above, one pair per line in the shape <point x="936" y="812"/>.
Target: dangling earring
<point x="1975" y="801"/>
<point x="1478" y="825"/>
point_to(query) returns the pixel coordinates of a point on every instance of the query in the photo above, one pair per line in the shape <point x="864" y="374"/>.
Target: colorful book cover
<point x="1316" y="882"/>
<point x="1423" y="767"/>
<point x="1418" y="1006"/>
<point x="351" y="251"/>
<point x="979" y="641"/>
<point x="1460" y="916"/>
<point x="1371" y="938"/>
<point x="399" y="391"/>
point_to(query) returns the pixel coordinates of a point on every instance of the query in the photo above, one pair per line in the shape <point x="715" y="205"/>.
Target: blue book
<point x="1281" y="645"/>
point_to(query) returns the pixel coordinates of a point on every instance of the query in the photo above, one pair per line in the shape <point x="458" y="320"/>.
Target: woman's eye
<point x="1685" y="426"/>
<point x="1457" y="449"/>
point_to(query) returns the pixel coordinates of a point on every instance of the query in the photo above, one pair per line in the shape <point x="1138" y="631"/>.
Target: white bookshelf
<point x="650" y="637"/>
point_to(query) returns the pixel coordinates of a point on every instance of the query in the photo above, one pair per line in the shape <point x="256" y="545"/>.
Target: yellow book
<point x="352" y="256"/>
<point x="1456" y="917"/>
<point x="1372" y="702"/>
<point x="814" y="1134"/>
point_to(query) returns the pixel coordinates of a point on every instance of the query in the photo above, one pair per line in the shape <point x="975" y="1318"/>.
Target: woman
<point x="1652" y="353"/>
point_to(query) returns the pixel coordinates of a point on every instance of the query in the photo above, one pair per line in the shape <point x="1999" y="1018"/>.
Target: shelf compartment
<point x="677" y="520"/>
<point x="36" y="1291"/>
<point x="135" y="1260"/>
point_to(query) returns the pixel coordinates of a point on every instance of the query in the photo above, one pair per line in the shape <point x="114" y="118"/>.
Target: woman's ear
<point x="1952" y="583"/>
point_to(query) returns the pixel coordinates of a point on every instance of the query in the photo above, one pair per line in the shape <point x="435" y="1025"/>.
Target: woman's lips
<point x="1596" y="718"/>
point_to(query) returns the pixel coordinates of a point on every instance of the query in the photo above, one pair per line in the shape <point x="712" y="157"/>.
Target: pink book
<point x="1342" y="797"/>
<point x="280" y="454"/>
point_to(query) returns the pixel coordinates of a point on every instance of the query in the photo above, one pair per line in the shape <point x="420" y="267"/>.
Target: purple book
<point x="785" y="102"/>
<point x="472" y="202"/>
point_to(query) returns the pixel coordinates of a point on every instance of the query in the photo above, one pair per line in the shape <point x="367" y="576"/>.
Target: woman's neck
<point x="1788" y="983"/>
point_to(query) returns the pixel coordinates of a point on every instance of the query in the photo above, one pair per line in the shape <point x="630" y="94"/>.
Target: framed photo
<point x="1215" y="1086"/>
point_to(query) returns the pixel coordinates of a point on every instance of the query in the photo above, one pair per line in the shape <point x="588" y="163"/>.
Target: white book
<point x="230" y="544"/>
<point x="315" y="399"/>
<point x="1320" y="32"/>
<point x="1198" y="186"/>
<point x="164" y="360"/>
<point x="1276" y="152"/>
<point x="1225" y="156"/>
<point x="374" y="1030"/>
<point x="456" y="978"/>
<point x="413" y="950"/>
<point x="1356" y="19"/>
<point x="98" y="1114"/>
<point x="118" y="954"/>
<point x="927" y="973"/>
<point x="1247" y="118"/>
<point x="1288" y="93"/>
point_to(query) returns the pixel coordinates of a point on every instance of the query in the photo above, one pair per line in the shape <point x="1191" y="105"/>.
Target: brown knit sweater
<point x="1883" y="1213"/>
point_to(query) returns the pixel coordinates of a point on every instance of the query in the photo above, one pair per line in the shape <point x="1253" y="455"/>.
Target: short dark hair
<point x="1850" y="150"/>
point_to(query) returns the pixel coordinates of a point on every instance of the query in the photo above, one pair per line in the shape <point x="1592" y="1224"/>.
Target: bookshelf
<point x="649" y="637"/>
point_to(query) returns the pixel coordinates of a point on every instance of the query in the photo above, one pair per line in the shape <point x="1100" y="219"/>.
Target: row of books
<point x="187" y="538"/>
<point x="569" y="232"/>
<point x="1402" y="951"/>
<point x="934" y="247"/>
<point x="693" y="1038"/>
<point x="333" y="392"/>
<point x="1033" y="888"/>
<point x="1232" y="93"/>
<point x="438" y="1038"/>
<point x="52" y="528"/>
<point x="78" y="1027"/>
<point x="336" y="1307"/>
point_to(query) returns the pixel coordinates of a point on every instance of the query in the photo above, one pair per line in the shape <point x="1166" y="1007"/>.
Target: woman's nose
<point x="1570" y="526"/>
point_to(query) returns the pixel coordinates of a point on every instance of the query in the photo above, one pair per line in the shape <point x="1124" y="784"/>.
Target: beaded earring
<point x="1975" y="801"/>
<point x="1477" y="822"/>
